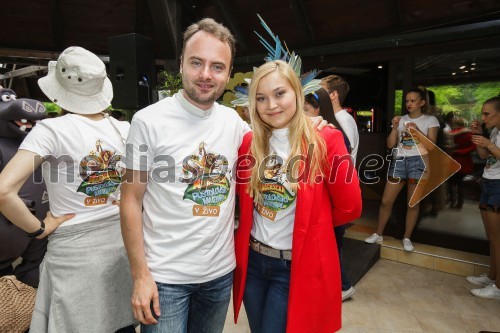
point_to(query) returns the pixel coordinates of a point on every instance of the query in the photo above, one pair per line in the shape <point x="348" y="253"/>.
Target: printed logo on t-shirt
<point x="208" y="184"/>
<point x="101" y="171"/>
<point x="276" y="190"/>
<point x="407" y="141"/>
<point x="490" y="161"/>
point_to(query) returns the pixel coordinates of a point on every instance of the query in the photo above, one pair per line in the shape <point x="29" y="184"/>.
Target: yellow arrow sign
<point x="439" y="166"/>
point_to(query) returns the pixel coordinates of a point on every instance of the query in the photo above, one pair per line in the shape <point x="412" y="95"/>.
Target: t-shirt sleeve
<point x="433" y="122"/>
<point x="41" y="140"/>
<point x="348" y="124"/>
<point x="245" y="127"/>
<point x="138" y="148"/>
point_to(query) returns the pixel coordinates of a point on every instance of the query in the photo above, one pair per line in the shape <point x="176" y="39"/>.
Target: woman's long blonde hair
<point x="301" y="133"/>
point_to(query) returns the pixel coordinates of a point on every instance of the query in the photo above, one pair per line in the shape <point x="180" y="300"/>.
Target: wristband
<point x="38" y="232"/>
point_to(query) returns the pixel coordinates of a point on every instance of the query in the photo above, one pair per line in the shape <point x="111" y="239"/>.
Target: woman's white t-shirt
<point x="492" y="167"/>
<point x="407" y="145"/>
<point x="82" y="167"/>
<point x="273" y="220"/>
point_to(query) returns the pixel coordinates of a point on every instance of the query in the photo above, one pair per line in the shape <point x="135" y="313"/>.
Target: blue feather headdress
<point x="280" y="52"/>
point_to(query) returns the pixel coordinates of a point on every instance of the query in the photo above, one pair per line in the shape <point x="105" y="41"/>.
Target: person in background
<point x="489" y="203"/>
<point x="316" y="104"/>
<point x="287" y="270"/>
<point x="311" y="105"/>
<point x="461" y="152"/>
<point x="408" y="166"/>
<point x="337" y="89"/>
<point x="85" y="281"/>
<point x="448" y="122"/>
<point x="245" y="114"/>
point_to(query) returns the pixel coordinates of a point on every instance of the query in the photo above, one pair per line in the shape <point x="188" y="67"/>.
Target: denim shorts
<point x="409" y="168"/>
<point x="490" y="195"/>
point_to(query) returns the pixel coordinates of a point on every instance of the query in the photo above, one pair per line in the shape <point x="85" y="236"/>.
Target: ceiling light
<point x="473" y="64"/>
<point x="462" y="67"/>
<point x="466" y="71"/>
<point x="472" y="68"/>
<point x="380" y="67"/>
<point x="453" y="73"/>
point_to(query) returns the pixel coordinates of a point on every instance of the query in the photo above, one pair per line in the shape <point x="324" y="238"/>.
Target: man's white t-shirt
<point x="407" y="146"/>
<point x="274" y="219"/>
<point x="492" y="167"/>
<point x="188" y="217"/>
<point x="82" y="167"/>
<point x="348" y="124"/>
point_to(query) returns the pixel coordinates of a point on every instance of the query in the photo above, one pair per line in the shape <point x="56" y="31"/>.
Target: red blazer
<point x="314" y="303"/>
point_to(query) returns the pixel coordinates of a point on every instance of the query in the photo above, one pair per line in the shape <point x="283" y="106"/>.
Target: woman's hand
<point x="52" y="223"/>
<point x="483" y="142"/>
<point x="395" y="122"/>
<point x="476" y="127"/>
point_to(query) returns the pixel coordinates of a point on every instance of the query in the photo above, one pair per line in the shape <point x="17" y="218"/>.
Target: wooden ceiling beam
<point x="394" y="42"/>
<point x="57" y="24"/>
<point x="302" y="18"/>
<point x="222" y="8"/>
<point x="166" y="16"/>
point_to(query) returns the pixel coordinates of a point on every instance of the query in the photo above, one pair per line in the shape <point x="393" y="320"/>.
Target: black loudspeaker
<point x="132" y="71"/>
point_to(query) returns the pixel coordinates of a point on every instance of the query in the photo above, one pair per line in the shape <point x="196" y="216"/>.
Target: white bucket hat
<point x="77" y="82"/>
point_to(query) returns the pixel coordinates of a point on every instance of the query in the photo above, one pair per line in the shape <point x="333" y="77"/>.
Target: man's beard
<point x="191" y="92"/>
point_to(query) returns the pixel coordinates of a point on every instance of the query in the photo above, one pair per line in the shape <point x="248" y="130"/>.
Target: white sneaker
<point x="407" y="245"/>
<point x="347" y="293"/>
<point x="481" y="280"/>
<point x="490" y="291"/>
<point x="374" y="239"/>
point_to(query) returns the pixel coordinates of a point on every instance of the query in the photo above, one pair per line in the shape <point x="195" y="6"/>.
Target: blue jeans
<point x="266" y="293"/>
<point x="339" y="237"/>
<point x="193" y="308"/>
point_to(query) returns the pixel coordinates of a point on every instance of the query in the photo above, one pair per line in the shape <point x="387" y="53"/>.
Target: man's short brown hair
<point x="212" y="27"/>
<point x="336" y="83"/>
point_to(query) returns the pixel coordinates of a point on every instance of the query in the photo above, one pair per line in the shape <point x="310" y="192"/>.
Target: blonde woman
<point x="408" y="165"/>
<point x="288" y="209"/>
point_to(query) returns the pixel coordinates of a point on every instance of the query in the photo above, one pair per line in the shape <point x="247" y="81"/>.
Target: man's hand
<point x="145" y="291"/>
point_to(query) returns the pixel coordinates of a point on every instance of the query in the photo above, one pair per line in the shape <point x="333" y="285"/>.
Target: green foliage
<point x="170" y="82"/>
<point x="51" y="107"/>
<point x="398" y="102"/>
<point x="466" y="100"/>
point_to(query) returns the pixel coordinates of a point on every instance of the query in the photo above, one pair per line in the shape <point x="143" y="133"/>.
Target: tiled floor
<point x="395" y="297"/>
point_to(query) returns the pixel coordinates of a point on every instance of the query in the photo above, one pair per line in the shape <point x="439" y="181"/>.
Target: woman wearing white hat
<point x="85" y="281"/>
